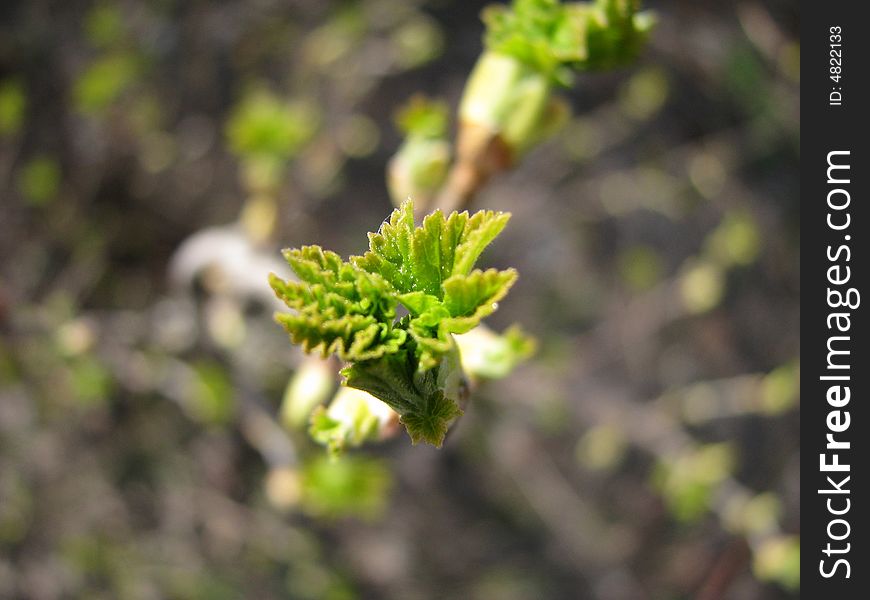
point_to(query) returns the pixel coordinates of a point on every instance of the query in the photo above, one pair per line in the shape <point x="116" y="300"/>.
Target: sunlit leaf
<point x="349" y="309"/>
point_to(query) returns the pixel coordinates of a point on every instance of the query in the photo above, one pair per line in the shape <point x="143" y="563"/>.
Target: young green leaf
<point x="475" y="295"/>
<point x="420" y="166"/>
<point x="554" y="37"/>
<point x="427" y="402"/>
<point x="490" y="355"/>
<point x="422" y="117"/>
<point x="420" y="259"/>
<point x="430" y="266"/>
<point x="349" y="309"/>
<point x="467" y="300"/>
<point x="352" y="418"/>
<point x="342" y="310"/>
<point x="533" y="46"/>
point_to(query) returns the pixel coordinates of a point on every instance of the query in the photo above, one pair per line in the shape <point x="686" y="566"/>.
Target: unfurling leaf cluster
<point x="419" y="167"/>
<point x="349" y="308"/>
<point x="555" y="37"/>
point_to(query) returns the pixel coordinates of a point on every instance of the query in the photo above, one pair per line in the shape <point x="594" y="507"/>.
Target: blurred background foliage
<point x="155" y="155"/>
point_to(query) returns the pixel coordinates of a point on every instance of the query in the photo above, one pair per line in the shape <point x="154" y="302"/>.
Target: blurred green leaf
<point x="210" y="398"/>
<point x="358" y="136"/>
<point x="13" y="103"/>
<point x="644" y="93"/>
<point x="17" y="508"/>
<point x="687" y="482"/>
<point x="313" y="581"/>
<point x="780" y="389"/>
<point x="417" y="42"/>
<point x="702" y="285"/>
<point x="191" y="584"/>
<point x="736" y="241"/>
<point x="419" y="168"/>
<point x="350" y="486"/>
<point x="423" y="117"/>
<point x="754" y="516"/>
<point x="39" y="180"/>
<point x="640" y="267"/>
<point x="264" y="126"/>
<point x="337" y="38"/>
<point x="91" y="381"/>
<point x="747" y="80"/>
<point x="104" y="81"/>
<point x="778" y="559"/>
<point x="104" y="25"/>
<point x="601" y="448"/>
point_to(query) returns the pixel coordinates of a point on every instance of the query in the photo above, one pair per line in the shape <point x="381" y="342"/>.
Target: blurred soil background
<point x="648" y="451"/>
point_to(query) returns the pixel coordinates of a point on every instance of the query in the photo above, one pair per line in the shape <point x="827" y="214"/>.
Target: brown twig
<point x="480" y="154"/>
<point x="728" y="565"/>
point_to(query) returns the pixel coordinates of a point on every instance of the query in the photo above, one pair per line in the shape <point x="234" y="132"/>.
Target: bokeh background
<point x="648" y="451"/>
